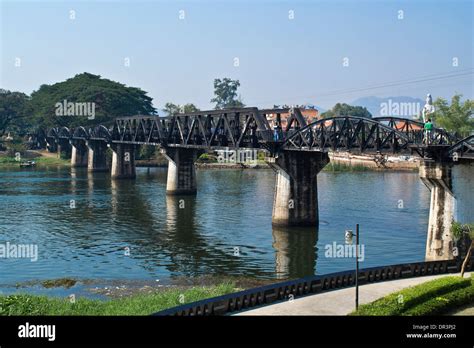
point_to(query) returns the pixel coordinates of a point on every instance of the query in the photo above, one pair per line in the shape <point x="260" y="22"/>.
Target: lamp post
<point x="348" y="237"/>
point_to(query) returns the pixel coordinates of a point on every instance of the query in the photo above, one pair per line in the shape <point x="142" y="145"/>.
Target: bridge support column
<point x="123" y="161"/>
<point x="51" y="145"/>
<point x="463" y="189"/>
<point x="63" y="148"/>
<point x="97" y="160"/>
<point x="181" y="170"/>
<point x="295" y="201"/>
<point x="439" y="241"/>
<point x="79" y="154"/>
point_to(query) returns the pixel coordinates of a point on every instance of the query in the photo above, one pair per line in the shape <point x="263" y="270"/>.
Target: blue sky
<point x="281" y="60"/>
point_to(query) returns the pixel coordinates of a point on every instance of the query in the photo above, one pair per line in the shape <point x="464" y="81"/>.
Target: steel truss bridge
<point x="250" y="128"/>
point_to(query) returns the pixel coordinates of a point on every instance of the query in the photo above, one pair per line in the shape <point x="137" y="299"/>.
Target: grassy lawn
<point x="52" y="161"/>
<point x="40" y="161"/>
<point x="435" y="297"/>
<point x="140" y="304"/>
<point x="8" y="162"/>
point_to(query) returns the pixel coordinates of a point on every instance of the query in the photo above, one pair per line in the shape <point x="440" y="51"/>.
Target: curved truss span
<point x="100" y="132"/>
<point x="80" y="133"/>
<point x="348" y="133"/>
<point x="52" y="133"/>
<point x="414" y="130"/>
<point x="463" y="149"/>
<point x="64" y="132"/>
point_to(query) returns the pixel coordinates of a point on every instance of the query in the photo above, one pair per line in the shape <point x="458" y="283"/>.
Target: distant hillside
<point x="401" y="106"/>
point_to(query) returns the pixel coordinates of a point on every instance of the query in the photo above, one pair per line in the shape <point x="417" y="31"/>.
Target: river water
<point x="89" y="227"/>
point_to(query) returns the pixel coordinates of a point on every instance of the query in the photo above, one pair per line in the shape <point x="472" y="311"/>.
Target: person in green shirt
<point x="428" y="131"/>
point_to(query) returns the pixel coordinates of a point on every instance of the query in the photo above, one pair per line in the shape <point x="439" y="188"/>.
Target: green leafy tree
<point x="172" y="109"/>
<point x="225" y="92"/>
<point x="146" y="152"/>
<point x="457" y="117"/>
<point x="342" y="109"/>
<point x="110" y="100"/>
<point x="13" y="112"/>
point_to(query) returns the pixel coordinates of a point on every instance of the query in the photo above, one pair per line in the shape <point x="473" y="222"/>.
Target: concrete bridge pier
<point x="97" y="156"/>
<point x="463" y="188"/>
<point x="295" y="201"/>
<point x="181" y="170"/>
<point x="64" y="148"/>
<point x="79" y="153"/>
<point x="123" y="161"/>
<point x="452" y="199"/>
<point x="51" y="146"/>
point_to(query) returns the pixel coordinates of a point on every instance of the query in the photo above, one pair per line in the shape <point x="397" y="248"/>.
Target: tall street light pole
<point x="357" y="268"/>
<point x="349" y="238"/>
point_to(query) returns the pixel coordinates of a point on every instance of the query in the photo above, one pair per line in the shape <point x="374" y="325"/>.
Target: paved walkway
<point x="468" y="310"/>
<point x="339" y="302"/>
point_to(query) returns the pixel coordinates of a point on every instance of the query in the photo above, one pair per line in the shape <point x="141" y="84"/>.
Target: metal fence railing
<point x="268" y="294"/>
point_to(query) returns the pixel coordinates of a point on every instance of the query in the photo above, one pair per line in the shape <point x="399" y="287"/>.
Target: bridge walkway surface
<point x="342" y="301"/>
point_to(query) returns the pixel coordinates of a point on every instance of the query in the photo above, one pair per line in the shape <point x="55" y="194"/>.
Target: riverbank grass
<point x="40" y="161"/>
<point x="342" y="167"/>
<point x="139" y="304"/>
<point x="436" y="297"/>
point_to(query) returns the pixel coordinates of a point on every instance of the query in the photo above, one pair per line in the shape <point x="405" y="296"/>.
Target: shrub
<point x="146" y="152"/>
<point x="14" y="148"/>
<point x="207" y="158"/>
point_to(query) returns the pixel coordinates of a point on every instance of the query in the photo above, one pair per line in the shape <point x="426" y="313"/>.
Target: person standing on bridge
<point x="276" y="135"/>
<point x="428" y="131"/>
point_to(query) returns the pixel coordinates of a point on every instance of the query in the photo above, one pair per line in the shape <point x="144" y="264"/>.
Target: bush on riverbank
<point x="207" y="158"/>
<point x="15" y="147"/>
<point x="8" y="161"/>
<point x="140" y="304"/>
<point x="435" y="297"/>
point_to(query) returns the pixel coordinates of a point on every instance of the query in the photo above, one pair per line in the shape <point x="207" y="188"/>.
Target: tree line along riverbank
<point x="340" y="161"/>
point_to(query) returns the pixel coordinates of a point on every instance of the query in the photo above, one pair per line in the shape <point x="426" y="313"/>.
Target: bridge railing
<point x="277" y="292"/>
